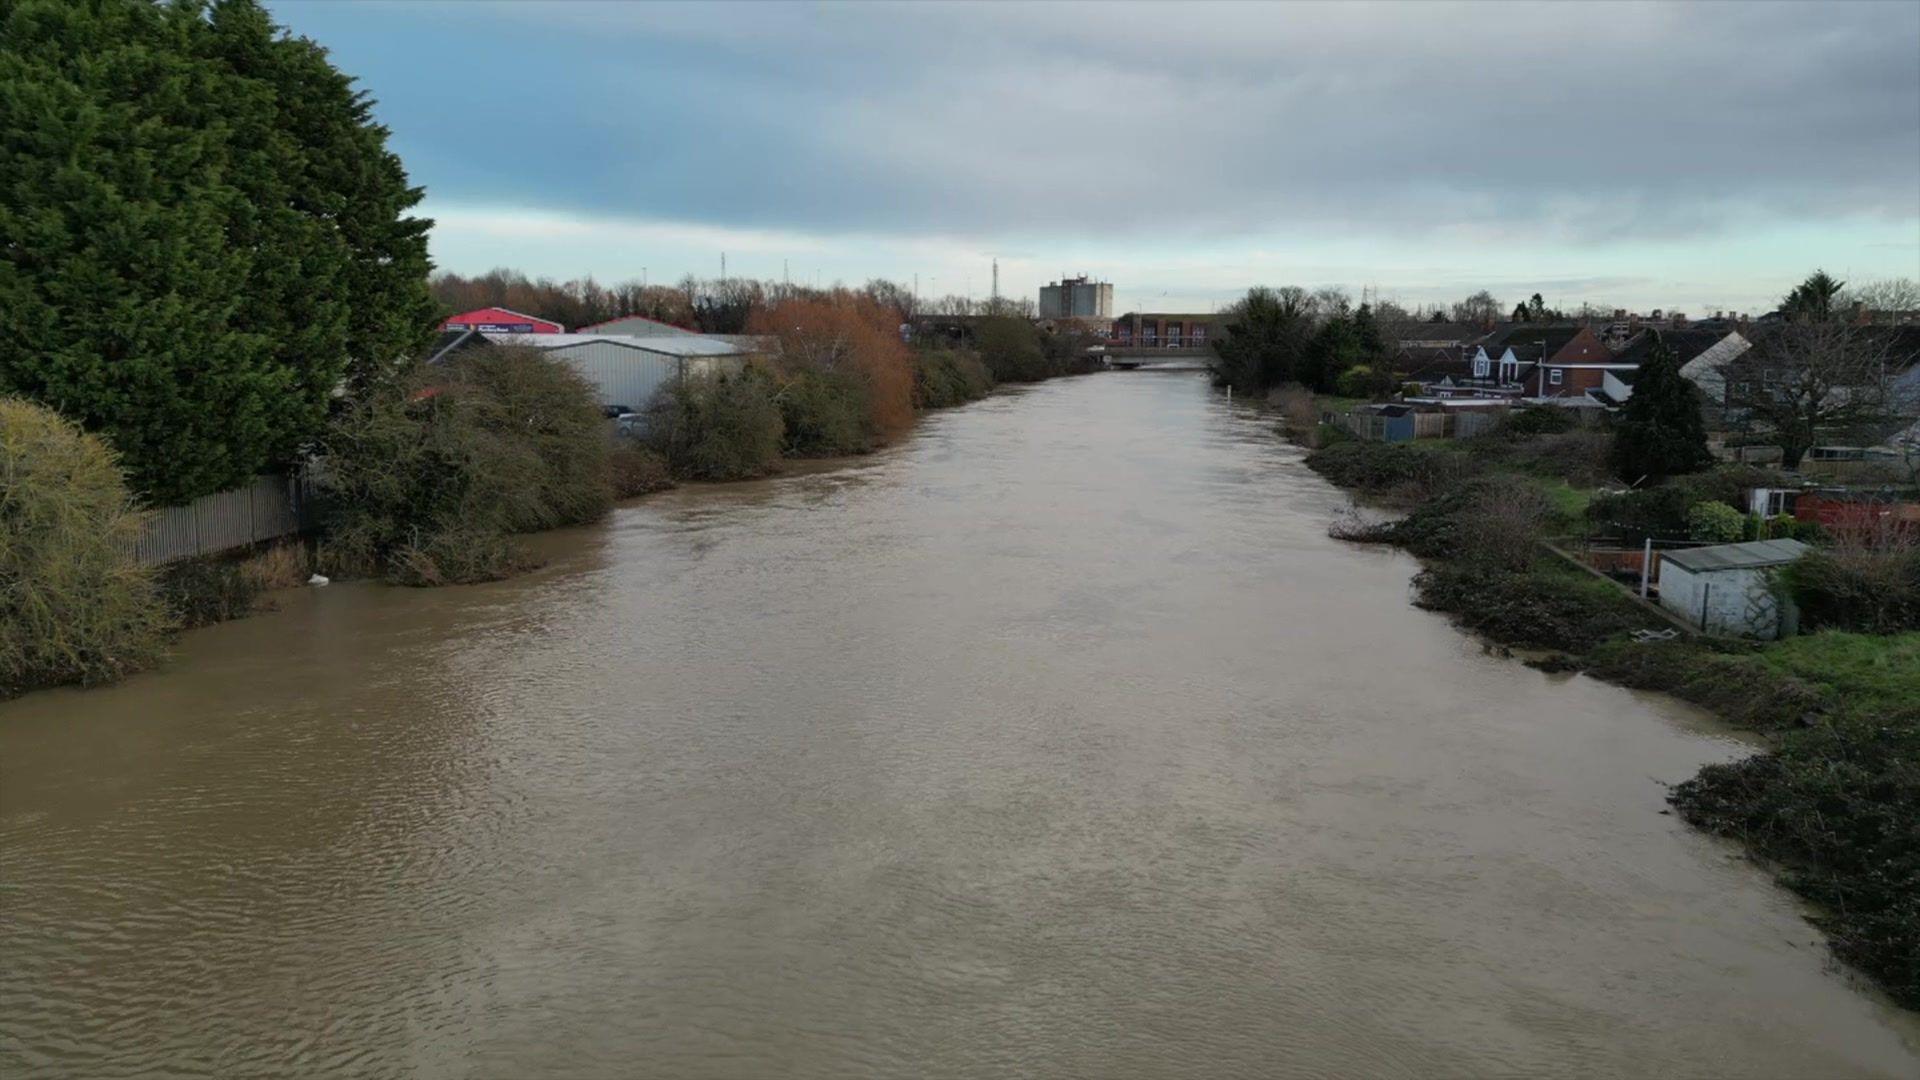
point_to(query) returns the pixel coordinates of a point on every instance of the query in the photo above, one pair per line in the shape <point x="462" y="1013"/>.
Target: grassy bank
<point x="1833" y="806"/>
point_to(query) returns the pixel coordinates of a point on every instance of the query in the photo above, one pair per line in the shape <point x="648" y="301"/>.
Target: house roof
<point x="1525" y="339"/>
<point x="1750" y="555"/>
<point x="1686" y="344"/>
<point x="670" y="345"/>
<point x="1432" y="333"/>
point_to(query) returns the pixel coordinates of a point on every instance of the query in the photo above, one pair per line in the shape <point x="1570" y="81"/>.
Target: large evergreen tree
<point x="1660" y="432"/>
<point x="1267" y="335"/>
<point x="202" y="233"/>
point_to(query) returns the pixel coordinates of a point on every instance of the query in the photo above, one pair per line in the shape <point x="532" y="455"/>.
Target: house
<point x="489" y="320"/>
<point x="1575" y="370"/>
<point x="1502" y="364"/>
<point x="1702" y="353"/>
<point x="1729" y="588"/>
<point x="629" y="371"/>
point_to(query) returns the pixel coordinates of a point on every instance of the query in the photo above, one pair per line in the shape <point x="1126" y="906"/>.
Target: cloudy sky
<point x="1699" y="156"/>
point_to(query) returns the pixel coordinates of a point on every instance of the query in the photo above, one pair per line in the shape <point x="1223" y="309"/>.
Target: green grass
<point x="1866" y="672"/>
<point x="1568" y="501"/>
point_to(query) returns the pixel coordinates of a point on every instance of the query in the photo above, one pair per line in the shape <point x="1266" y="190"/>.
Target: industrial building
<point x="1076" y="298"/>
<point x="637" y="326"/>
<point x="628" y="370"/>
<point x="501" y="320"/>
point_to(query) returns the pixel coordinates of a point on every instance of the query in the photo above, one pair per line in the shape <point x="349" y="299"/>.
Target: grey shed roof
<point x="1750" y="555"/>
<point x="670" y="345"/>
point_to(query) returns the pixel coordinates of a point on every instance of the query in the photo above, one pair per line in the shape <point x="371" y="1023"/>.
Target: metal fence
<point x="269" y="507"/>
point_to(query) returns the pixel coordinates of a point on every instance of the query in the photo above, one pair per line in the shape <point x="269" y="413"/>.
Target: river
<point x="1057" y="741"/>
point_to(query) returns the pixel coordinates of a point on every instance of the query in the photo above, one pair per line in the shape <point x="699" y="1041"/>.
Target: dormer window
<point x="1480" y="365"/>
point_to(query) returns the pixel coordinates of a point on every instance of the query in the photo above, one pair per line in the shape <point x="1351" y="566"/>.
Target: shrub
<point x="824" y="414"/>
<point x="203" y="591"/>
<point x="1492" y="521"/>
<point x="1578" y="457"/>
<point x="1853" y="587"/>
<point x="1661" y="511"/>
<point x="1715" y="522"/>
<point x="850" y="346"/>
<point x="1541" y="608"/>
<point x="1299" y="412"/>
<point x="1011" y="349"/>
<point x="1838" y="807"/>
<point x="634" y="470"/>
<point x="1364" y="381"/>
<point x="427" y="476"/>
<point x="77" y="608"/>
<point x="1537" y="420"/>
<point x="1383" y="467"/>
<point x="722" y="428"/>
<point x="947" y="377"/>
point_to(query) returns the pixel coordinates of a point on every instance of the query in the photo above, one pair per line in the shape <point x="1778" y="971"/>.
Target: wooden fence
<point x="1427" y="425"/>
<point x="269" y="507"/>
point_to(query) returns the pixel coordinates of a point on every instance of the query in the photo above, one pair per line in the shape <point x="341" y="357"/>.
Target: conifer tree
<point x="1660" y="432"/>
<point x="202" y="234"/>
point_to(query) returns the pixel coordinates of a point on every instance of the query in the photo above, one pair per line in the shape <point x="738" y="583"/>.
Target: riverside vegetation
<point x="1834" y="804"/>
<point x="429" y="474"/>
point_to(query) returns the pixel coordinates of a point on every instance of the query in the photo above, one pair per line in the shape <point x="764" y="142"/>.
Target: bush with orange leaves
<point x="846" y="377"/>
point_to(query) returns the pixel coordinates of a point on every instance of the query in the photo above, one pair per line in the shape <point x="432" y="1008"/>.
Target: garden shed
<point x="1729" y="588"/>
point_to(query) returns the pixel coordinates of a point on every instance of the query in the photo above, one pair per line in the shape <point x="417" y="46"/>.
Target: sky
<point x="1695" y="156"/>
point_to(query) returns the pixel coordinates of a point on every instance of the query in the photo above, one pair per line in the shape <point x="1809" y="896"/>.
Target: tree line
<point x="708" y="305"/>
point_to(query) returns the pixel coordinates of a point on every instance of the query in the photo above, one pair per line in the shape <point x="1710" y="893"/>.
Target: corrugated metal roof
<point x="667" y="345"/>
<point x="1753" y="553"/>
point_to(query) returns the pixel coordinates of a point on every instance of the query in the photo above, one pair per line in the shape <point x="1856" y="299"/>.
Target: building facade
<point x="1076" y="298"/>
<point x="1164" y="330"/>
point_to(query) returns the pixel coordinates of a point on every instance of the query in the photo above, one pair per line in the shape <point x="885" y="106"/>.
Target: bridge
<point x="1153" y="358"/>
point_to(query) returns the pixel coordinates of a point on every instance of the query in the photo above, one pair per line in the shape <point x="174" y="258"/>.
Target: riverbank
<point x="1833" y="805"/>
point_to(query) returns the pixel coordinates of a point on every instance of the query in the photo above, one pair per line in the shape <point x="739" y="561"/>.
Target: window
<point x="1480" y="366"/>
<point x="1553" y="376"/>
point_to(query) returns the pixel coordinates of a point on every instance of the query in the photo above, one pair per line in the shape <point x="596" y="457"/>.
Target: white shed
<point x="1729" y="588"/>
<point x="629" y="371"/>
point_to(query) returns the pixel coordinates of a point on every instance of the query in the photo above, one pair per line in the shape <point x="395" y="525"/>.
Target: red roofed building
<point x="500" y="320"/>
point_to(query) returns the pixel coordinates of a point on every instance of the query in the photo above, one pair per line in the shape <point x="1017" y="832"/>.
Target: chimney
<point x="1861" y="316"/>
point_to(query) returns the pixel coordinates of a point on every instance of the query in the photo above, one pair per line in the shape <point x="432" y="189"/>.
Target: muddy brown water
<point x="1058" y="741"/>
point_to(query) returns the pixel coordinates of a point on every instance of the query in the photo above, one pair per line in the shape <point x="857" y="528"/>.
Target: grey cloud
<point x="1554" y="122"/>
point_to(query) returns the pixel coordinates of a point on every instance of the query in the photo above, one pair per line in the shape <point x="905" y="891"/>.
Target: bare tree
<point x="1893" y="295"/>
<point x="1481" y="307"/>
<point x="1808" y="381"/>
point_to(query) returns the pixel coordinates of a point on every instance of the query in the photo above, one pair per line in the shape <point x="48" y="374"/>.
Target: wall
<point x="631" y="376"/>
<point x="1738" y="602"/>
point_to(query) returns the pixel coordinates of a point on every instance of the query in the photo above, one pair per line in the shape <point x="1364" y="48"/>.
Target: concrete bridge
<point x="1130" y="357"/>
